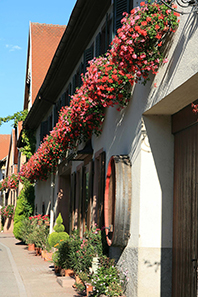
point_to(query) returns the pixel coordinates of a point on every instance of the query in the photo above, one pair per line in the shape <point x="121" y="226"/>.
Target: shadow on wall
<point x="187" y="32"/>
<point x="158" y="129"/>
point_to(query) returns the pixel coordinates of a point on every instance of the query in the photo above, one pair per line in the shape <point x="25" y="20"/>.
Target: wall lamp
<point x="182" y="4"/>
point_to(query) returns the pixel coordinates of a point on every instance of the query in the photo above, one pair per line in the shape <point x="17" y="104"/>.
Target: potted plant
<point x="58" y="233"/>
<point x="40" y="234"/>
<point x="107" y="280"/>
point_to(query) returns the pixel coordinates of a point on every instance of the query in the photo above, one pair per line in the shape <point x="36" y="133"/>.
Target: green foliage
<point x="25" y="229"/>
<point x="82" y="251"/>
<point x="59" y="220"/>
<point x="61" y="256"/>
<point x="28" y="135"/>
<point x="79" y="287"/>
<point x="40" y="234"/>
<point x="29" y="142"/>
<point x="16" y="117"/>
<point x="59" y="234"/>
<point x="54" y="238"/>
<point x="107" y="280"/>
<point x="7" y="211"/>
<point x="24" y="207"/>
<point x="59" y="227"/>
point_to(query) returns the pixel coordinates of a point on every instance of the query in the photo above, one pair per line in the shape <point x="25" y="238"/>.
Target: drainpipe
<point x="52" y="203"/>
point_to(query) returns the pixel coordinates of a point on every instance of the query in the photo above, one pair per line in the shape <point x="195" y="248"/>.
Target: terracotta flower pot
<point x="43" y="252"/>
<point x="38" y="251"/>
<point x="89" y="288"/>
<point x="31" y="246"/>
<point x="48" y="256"/>
<point x="69" y="272"/>
<point x="78" y="280"/>
<point x="57" y="269"/>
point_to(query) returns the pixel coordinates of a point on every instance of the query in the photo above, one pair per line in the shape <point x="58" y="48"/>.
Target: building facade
<point x="138" y="177"/>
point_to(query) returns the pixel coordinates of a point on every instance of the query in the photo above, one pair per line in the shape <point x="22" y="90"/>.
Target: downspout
<point x="52" y="203"/>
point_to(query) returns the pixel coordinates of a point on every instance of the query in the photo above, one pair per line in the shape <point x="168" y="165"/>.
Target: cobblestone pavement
<point x="22" y="274"/>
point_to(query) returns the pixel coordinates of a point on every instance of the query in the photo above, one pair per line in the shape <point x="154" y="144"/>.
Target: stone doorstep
<point x="65" y="281"/>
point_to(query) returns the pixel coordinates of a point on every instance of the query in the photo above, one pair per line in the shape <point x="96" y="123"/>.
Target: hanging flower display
<point x="7" y="211"/>
<point x="10" y="182"/>
<point x="135" y="52"/>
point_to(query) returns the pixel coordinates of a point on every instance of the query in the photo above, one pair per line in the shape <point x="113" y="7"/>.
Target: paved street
<point x="22" y="274"/>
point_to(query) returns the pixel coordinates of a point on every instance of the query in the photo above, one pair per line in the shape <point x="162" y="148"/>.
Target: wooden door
<point x="185" y="214"/>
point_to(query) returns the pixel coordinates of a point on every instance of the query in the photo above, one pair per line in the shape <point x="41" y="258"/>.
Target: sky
<point x="15" y="17"/>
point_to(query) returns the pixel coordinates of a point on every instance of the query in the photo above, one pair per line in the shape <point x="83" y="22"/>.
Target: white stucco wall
<point x="148" y="253"/>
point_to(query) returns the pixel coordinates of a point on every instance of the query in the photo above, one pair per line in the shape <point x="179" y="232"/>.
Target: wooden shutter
<point x="98" y="45"/>
<point x="63" y="99"/>
<point x="81" y="72"/>
<point x="72" y="201"/>
<point x="106" y="33"/>
<point x="41" y="131"/>
<point x="49" y="123"/>
<point x="55" y="114"/>
<point x="87" y="200"/>
<point x="69" y="93"/>
<point x="88" y="56"/>
<point x="120" y="6"/>
<point x="74" y="84"/>
<point x="101" y="188"/>
<point x="117" y="201"/>
<point x="59" y="104"/>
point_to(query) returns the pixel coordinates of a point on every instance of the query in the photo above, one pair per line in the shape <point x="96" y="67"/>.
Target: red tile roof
<point x="4" y="145"/>
<point x="44" y="42"/>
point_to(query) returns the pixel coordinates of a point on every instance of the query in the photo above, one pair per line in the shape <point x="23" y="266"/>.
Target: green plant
<point x="107" y="280"/>
<point x="16" y="117"/>
<point x="40" y="234"/>
<point x="7" y="211"/>
<point x="55" y="237"/>
<point x="29" y="141"/>
<point x="94" y="241"/>
<point x="85" y="277"/>
<point x="24" y="208"/>
<point x="55" y="259"/>
<point x="63" y="254"/>
<point x="25" y="229"/>
<point x="74" y="246"/>
<point x="79" y="287"/>
<point x="59" y="227"/>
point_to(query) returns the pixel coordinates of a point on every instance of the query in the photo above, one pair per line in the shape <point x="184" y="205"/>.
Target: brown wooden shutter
<point x="120" y="6"/>
<point x="117" y="201"/>
<point x="72" y="201"/>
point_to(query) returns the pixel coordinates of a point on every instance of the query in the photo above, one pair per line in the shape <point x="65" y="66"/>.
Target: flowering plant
<point x="135" y="53"/>
<point x="107" y="280"/>
<point x="10" y="182"/>
<point x="39" y="218"/>
<point x="7" y="211"/>
<point x="136" y="48"/>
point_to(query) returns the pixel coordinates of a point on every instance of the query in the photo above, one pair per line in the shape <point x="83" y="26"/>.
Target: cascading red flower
<point x="107" y="83"/>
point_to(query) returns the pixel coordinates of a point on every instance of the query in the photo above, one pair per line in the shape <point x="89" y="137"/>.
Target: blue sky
<point x="15" y="17"/>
